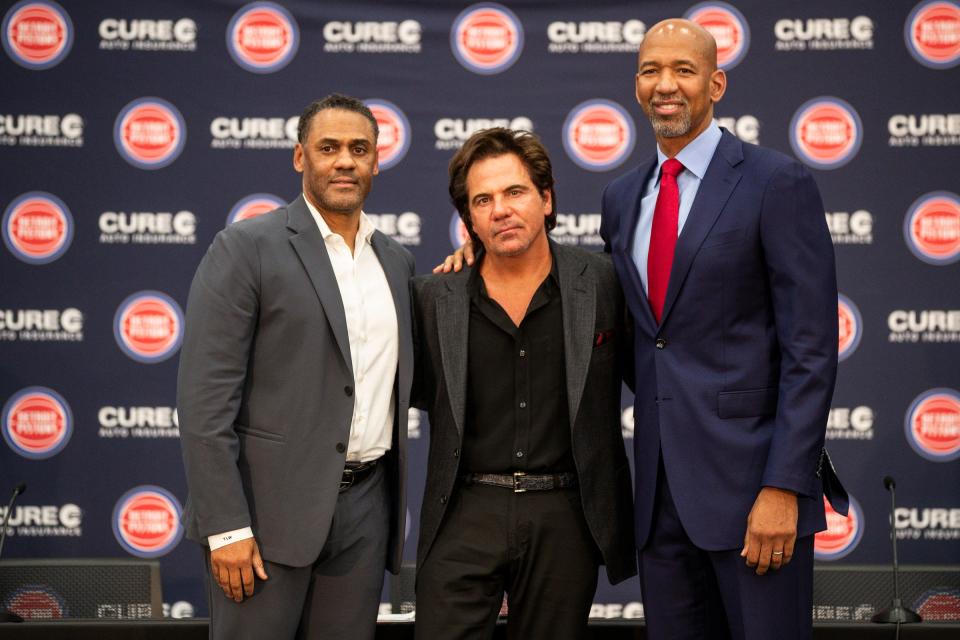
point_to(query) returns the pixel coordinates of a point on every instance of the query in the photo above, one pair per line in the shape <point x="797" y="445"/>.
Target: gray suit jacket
<point x="265" y="390"/>
<point x="592" y="304"/>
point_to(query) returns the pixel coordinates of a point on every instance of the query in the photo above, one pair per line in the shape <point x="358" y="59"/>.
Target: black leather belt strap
<point x="356" y="472"/>
<point x="520" y="481"/>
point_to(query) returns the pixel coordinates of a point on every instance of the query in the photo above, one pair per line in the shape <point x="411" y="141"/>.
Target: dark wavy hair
<point x="498" y="141"/>
<point x="334" y="101"/>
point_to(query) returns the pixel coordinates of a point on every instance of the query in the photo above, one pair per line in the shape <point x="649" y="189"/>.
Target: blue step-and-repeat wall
<point x="131" y="132"/>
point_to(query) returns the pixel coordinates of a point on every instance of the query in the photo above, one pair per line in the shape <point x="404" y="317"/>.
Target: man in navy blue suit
<point x="728" y="269"/>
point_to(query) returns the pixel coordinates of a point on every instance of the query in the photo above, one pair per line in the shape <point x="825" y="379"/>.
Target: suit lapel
<point x="398" y="274"/>
<point x="624" y="244"/>
<point x="718" y="183"/>
<point x="578" y="297"/>
<point x="309" y="245"/>
<point x="453" y="321"/>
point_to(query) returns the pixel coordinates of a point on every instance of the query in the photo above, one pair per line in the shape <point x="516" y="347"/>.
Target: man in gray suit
<point x="293" y="393"/>
<point x="528" y="487"/>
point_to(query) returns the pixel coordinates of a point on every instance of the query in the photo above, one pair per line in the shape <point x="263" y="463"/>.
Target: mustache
<point x="673" y="99"/>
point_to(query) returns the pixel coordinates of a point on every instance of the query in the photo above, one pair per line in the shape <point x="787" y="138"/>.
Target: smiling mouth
<point x="667" y="108"/>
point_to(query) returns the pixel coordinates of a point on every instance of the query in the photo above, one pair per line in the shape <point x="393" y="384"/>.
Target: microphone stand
<point x="9" y="616"/>
<point x="896" y="613"/>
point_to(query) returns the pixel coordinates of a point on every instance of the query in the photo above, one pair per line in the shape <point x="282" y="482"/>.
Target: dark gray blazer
<point x="265" y="390"/>
<point x="592" y="303"/>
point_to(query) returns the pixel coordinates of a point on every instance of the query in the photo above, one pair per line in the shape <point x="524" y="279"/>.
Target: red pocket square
<point x="602" y="338"/>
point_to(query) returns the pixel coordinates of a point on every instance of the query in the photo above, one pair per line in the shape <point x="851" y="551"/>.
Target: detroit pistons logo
<point x="253" y="206"/>
<point x="932" y="228"/>
<point x="36" y="602"/>
<point x="37" y="227"/>
<point x="149" y="133"/>
<point x="939" y="603"/>
<point x="37" y="34"/>
<point x="932" y="32"/>
<point x="459" y="235"/>
<point x="727" y="26"/>
<point x="487" y="38"/>
<point x="148" y="326"/>
<point x="263" y="37"/>
<point x="850" y="326"/>
<point x="598" y="135"/>
<point x="842" y="535"/>
<point x="394" y="139"/>
<point x="826" y="133"/>
<point x="146" y="521"/>
<point x="933" y="425"/>
<point x="37" y="423"/>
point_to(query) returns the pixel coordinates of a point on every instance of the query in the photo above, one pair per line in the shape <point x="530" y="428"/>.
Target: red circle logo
<point x="932" y="228"/>
<point x="850" y="327"/>
<point x="148" y="326"/>
<point x="826" y="133"/>
<point x="459" y="235"/>
<point x="932" y="32"/>
<point x="36" y="602"/>
<point x="393" y="141"/>
<point x="37" y="227"/>
<point x="598" y="135"/>
<point x="842" y="535"/>
<point x="263" y="37"/>
<point x="146" y="521"/>
<point x="37" y="35"/>
<point x="150" y="133"/>
<point x="254" y="206"/>
<point x="37" y="423"/>
<point x="487" y="38"/>
<point x="933" y="425"/>
<point x="727" y="26"/>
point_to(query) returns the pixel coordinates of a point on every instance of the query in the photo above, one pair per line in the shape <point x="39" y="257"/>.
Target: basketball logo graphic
<point x="932" y="425"/>
<point x="37" y="34"/>
<point x="826" y="133"/>
<point x="394" y="139"/>
<point x="148" y="326"/>
<point x="149" y="133"/>
<point x="598" y="135"/>
<point x="932" y="228"/>
<point x="842" y="535"/>
<point x="263" y="37"/>
<point x="37" y="227"/>
<point x="254" y="205"/>
<point x="487" y="38"/>
<point x="932" y="33"/>
<point x="37" y="423"/>
<point x="146" y="521"/>
<point x="727" y="26"/>
<point x="850" y="326"/>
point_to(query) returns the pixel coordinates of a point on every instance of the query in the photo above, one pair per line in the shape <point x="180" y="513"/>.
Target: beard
<point x="327" y="199"/>
<point x="673" y="126"/>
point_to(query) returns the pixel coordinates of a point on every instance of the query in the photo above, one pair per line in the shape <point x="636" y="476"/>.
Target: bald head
<point x="686" y="34"/>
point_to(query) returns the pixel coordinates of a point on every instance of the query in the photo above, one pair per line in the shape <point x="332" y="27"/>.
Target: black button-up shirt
<point x="517" y="416"/>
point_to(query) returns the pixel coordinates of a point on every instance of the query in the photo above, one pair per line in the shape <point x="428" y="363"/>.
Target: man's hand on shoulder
<point x="233" y="566"/>
<point x="455" y="262"/>
<point x="771" y="530"/>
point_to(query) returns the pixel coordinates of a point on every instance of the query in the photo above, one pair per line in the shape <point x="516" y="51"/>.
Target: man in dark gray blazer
<point x="528" y="487"/>
<point x="293" y="393"/>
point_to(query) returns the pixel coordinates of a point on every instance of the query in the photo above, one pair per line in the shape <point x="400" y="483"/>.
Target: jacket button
<point x="456" y="453"/>
<point x="348" y="390"/>
<point x="660" y="343"/>
<point x="443" y="499"/>
<point x="341" y="447"/>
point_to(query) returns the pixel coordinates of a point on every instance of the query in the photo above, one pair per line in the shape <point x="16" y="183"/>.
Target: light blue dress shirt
<point x="695" y="158"/>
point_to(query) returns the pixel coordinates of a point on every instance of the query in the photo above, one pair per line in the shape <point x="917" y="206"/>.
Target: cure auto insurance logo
<point x="37" y="227"/>
<point x="598" y="135"/>
<point x="826" y="133"/>
<point x="146" y="521"/>
<point x="486" y="38"/>
<point x="37" y="423"/>
<point x="37" y="34"/>
<point x="148" y="326"/>
<point x="263" y="37"/>
<point x="149" y="133"/>
<point x="932" y="33"/>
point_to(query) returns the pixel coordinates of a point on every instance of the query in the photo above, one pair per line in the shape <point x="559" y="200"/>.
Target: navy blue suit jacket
<point x="734" y="385"/>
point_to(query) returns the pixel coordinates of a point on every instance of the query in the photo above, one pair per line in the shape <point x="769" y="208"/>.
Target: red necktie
<point x="663" y="236"/>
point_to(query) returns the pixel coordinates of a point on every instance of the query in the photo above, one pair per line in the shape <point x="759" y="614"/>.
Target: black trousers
<point x="535" y="546"/>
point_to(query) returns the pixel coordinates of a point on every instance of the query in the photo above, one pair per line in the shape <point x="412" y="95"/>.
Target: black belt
<point x="356" y="472"/>
<point x="520" y="481"/>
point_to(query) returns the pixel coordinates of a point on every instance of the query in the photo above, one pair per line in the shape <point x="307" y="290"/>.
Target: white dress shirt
<point x="374" y="346"/>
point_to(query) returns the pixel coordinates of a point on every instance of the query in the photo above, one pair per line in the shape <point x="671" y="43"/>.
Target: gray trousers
<point x="336" y="597"/>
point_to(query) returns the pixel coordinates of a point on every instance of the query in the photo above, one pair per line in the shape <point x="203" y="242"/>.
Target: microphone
<point x="896" y="612"/>
<point x="7" y="616"/>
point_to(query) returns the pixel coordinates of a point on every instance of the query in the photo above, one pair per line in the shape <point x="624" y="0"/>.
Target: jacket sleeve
<point x="802" y="277"/>
<point x="221" y="318"/>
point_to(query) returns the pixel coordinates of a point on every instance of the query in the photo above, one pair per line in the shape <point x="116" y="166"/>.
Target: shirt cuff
<point x="223" y="539"/>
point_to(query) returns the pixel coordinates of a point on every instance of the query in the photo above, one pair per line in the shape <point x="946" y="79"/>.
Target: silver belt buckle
<point x="517" y="475"/>
<point x="346" y="484"/>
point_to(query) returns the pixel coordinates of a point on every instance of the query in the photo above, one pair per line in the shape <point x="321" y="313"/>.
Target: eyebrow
<point x="682" y="61"/>
<point x="520" y="187"/>
<point x="363" y="141"/>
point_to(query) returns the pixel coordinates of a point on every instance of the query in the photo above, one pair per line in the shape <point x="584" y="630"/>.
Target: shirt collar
<point x="364" y="233"/>
<point x="696" y="156"/>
